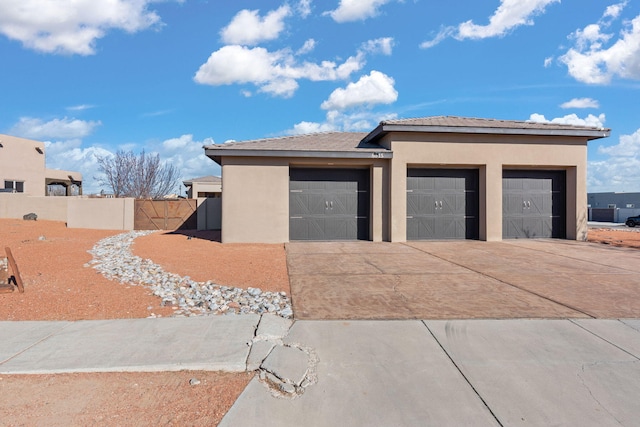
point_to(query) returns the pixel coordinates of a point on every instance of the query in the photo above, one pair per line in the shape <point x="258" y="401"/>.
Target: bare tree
<point x="142" y="176"/>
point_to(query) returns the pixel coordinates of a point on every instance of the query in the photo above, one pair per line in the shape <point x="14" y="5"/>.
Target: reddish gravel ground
<point x="629" y="237"/>
<point x="58" y="286"/>
<point x="119" y="399"/>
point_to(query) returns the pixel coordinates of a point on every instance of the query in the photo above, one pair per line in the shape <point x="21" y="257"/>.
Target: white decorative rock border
<point x="113" y="258"/>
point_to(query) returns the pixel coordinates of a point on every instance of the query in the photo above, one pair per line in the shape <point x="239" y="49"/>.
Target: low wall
<point x="99" y="214"/>
<point x="16" y="205"/>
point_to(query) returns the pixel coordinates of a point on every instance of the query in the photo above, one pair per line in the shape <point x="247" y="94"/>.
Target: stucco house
<point x="204" y="186"/>
<point x="423" y="178"/>
<point x="22" y="169"/>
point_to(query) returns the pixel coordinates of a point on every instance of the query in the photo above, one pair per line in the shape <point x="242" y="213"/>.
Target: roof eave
<point x="386" y="128"/>
<point x="217" y="154"/>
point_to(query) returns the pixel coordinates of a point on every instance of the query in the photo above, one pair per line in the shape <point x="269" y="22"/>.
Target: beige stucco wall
<point x="490" y="154"/>
<point x="16" y="205"/>
<point x="255" y="200"/>
<point x="20" y="161"/>
<point x="198" y="188"/>
<point x="100" y="214"/>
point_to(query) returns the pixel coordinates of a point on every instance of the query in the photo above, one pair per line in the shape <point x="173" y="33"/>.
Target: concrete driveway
<point x="463" y="280"/>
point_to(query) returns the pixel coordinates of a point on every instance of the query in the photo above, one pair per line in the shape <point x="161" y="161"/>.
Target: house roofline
<point x="217" y="154"/>
<point x="384" y="128"/>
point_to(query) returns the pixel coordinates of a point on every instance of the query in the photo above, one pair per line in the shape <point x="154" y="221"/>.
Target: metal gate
<point x="533" y="204"/>
<point x="166" y="214"/>
<point x="442" y="204"/>
<point x="328" y="204"/>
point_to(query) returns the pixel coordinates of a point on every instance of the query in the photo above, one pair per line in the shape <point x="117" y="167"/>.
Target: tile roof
<point x="360" y="144"/>
<point x="470" y="122"/>
<point x="208" y="178"/>
<point x="328" y="141"/>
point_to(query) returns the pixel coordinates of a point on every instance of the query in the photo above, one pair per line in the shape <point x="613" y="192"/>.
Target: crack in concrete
<point x="397" y="281"/>
<point x="278" y="384"/>
<point x="282" y="387"/>
<point x="593" y="397"/>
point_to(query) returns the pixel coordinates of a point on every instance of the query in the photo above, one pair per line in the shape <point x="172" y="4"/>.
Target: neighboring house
<point x="22" y="170"/>
<point x="413" y="179"/>
<point x="206" y="186"/>
<point x="613" y="207"/>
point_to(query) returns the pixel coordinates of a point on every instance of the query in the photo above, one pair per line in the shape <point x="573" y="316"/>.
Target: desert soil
<point x="627" y="237"/>
<point x="58" y="286"/>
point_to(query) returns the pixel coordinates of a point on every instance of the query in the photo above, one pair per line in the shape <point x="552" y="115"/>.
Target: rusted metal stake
<point x="14" y="269"/>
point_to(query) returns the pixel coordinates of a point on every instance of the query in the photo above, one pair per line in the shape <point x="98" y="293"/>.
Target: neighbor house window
<point x="16" y="186"/>
<point x="630" y="205"/>
<point x="612" y="206"/>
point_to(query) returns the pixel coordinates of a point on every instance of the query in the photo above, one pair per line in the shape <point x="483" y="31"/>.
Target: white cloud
<point x="509" y="15"/>
<point x="376" y="88"/>
<point x="615" y="10"/>
<point x="81" y="107"/>
<point x="66" y="128"/>
<point x="304" y="8"/>
<point x="383" y="45"/>
<point x="572" y="119"/>
<point x="629" y="146"/>
<point x="311" y="127"/>
<point x="307" y="47"/>
<point x="72" y="27"/>
<point x="248" y="28"/>
<point x="589" y="61"/>
<point x="621" y="170"/>
<point x="356" y="10"/>
<point x="275" y="72"/>
<point x="581" y="103"/>
<point x="187" y="155"/>
<point x="548" y="61"/>
<point x="362" y="121"/>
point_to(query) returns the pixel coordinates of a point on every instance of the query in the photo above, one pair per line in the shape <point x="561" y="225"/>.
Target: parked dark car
<point x="632" y="221"/>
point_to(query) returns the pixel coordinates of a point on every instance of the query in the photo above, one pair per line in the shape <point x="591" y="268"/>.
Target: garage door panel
<point x="328" y="204"/>
<point x="442" y="204"/>
<point x="305" y="203"/>
<point x="533" y="204"/>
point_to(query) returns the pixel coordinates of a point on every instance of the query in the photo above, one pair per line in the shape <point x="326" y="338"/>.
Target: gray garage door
<point x="329" y="204"/>
<point x="442" y="204"/>
<point x="533" y="204"/>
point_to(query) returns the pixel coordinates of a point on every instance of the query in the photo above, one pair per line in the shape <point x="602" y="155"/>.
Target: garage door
<point x="442" y="204"/>
<point x="329" y="204"/>
<point x="533" y="204"/>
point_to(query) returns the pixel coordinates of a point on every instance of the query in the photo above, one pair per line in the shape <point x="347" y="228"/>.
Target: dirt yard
<point x="627" y="237"/>
<point x="58" y="286"/>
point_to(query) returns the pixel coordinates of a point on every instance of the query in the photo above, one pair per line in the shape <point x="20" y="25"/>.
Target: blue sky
<point x="90" y="77"/>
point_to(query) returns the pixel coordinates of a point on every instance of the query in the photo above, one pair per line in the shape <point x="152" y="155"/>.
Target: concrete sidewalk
<point x="453" y="373"/>
<point x="216" y="343"/>
<point x="363" y="373"/>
